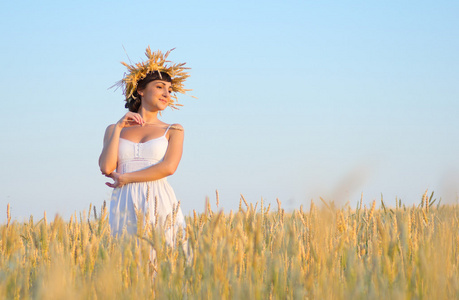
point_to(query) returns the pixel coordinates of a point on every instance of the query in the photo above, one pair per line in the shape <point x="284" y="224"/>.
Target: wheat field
<point x="258" y="252"/>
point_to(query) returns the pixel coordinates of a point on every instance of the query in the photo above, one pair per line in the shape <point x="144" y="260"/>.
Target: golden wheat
<point x="253" y="254"/>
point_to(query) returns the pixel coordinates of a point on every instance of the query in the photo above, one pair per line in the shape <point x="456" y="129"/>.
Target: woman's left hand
<point x="117" y="180"/>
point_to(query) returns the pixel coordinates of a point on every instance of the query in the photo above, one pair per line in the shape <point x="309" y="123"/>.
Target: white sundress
<point x="141" y="196"/>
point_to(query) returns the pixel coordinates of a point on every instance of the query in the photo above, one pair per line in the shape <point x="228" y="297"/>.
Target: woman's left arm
<point x="162" y="169"/>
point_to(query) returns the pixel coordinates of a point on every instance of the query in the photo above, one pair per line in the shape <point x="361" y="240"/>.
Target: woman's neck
<point x="149" y="116"/>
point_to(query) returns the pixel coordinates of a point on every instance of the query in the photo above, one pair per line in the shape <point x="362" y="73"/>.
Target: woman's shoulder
<point x="176" y="126"/>
<point x="110" y="129"/>
<point x="175" y="131"/>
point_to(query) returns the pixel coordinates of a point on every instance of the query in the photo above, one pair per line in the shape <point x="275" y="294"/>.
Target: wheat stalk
<point x="8" y="215"/>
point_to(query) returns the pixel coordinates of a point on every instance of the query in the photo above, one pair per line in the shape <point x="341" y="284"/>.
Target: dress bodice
<point x="136" y="156"/>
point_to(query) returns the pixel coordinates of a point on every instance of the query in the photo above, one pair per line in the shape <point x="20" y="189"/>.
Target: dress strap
<point x="167" y="129"/>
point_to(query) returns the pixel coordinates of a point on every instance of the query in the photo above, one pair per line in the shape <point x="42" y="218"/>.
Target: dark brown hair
<point x="133" y="103"/>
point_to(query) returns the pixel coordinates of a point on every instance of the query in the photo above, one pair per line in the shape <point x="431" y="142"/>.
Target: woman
<point x="140" y="151"/>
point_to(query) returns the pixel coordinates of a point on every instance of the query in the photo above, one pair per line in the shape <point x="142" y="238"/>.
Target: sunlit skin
<point x="139" y="128"/>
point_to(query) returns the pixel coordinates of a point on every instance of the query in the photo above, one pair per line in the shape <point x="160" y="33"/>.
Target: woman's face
<point x="156" y="95"/>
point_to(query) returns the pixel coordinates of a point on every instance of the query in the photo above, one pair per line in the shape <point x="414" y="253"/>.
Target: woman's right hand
<point x="118" y="180"/>
<point x="130" y="119"/>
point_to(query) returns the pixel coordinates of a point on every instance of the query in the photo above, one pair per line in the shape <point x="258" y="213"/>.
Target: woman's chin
<point x="163" y="105"/>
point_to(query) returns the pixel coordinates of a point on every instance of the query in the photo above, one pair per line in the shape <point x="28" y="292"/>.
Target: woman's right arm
<point x="108" y="159"/>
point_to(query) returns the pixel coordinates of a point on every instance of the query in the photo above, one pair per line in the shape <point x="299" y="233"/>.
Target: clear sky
<point x="297" y="99"/>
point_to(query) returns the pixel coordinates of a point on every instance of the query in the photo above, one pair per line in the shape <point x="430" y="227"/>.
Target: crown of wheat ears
<point x="156" y="62"/>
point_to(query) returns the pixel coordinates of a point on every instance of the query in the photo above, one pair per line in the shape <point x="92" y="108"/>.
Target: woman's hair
<point x="133" y="103"/>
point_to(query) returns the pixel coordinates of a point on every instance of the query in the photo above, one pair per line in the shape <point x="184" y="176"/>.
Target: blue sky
<point x="297" y="99"/>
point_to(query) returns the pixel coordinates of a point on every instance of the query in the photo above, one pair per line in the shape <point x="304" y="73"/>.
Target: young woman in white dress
<point x="140" y="150"/>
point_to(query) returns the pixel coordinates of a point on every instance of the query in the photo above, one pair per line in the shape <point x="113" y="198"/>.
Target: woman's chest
<point x="152" y="150"/>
